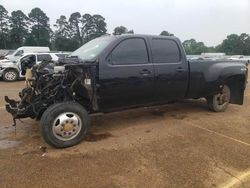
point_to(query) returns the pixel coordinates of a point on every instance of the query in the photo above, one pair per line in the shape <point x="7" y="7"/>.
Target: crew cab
<point x="111" y="73"/>
<point x="12" y="70"/>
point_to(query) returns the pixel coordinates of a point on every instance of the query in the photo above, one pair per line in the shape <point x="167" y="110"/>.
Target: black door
<point x="126" y="77"/>
<point x="171" y="69"/>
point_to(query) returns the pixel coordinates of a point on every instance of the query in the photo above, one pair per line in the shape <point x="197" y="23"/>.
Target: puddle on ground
<point x="92" y="137"/>
<point x="5" y="144"/>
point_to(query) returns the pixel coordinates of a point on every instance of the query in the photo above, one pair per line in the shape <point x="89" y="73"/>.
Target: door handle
<point x="179" y="69"/>
<point x="145" y="72"/>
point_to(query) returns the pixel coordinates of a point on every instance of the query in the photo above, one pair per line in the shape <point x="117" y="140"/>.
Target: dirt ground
<point x="175" y="145"/>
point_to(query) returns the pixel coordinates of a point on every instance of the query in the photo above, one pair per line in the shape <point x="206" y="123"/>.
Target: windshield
<point x="92" y="49"/>
<point x="19" y="53"/>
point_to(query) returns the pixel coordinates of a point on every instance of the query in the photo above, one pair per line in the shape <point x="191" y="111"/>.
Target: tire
<point x="219" y="102"/>
<point x="10" y="75"/>
<point x="64" y="124"/>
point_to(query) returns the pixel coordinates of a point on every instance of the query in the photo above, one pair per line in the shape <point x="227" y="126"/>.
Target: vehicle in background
<point x="236" y="57"/>
<point x="13" y="70"/>
<point x="212" y="56"/>
<point x="240" y="58"/>
<point x="207" y="56"/>
<point x="26" y="49"/>
<point x="4" y="53"/>
<point x="194" y="57"/>
<point x="190" y="57"/>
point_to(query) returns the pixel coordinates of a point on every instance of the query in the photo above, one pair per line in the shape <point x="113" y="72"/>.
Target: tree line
<point x="233" y="45"/>
<point x="18" y="29"/>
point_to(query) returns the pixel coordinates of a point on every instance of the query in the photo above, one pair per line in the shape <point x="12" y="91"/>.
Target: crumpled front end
<point x="47" y="84"/>
<point x="20" y="109"/>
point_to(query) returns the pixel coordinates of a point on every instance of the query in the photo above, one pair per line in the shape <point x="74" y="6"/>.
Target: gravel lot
<point x="175" y="145"/>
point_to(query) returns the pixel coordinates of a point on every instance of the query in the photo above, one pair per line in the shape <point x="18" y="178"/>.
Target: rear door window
<point x="130" y="51"/>
<point x="165" y="51"/>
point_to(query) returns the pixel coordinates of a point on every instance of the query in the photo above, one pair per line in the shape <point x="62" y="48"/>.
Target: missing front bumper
<point x="13" y="107"/>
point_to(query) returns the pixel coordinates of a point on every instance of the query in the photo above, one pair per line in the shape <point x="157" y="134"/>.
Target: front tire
<point x="64" y="124"/>
<point x="219" y="102"/>
<point x="10" y="75"/>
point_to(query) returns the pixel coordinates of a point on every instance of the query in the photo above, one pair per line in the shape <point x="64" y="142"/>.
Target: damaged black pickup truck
<point x="118" y="72"/>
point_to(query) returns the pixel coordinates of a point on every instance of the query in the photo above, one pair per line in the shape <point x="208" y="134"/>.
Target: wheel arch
<point x="11" y="68"/>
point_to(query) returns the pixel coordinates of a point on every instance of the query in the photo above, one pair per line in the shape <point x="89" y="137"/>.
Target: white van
<point x="26" y="49"/>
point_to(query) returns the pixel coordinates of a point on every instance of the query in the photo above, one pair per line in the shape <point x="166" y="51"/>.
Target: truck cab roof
<point x="141" y="35"/>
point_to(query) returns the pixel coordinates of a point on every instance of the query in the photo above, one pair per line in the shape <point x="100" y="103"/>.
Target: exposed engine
<point x="47" y="83"/>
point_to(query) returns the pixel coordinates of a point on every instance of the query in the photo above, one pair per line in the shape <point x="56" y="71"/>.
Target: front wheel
<point x="10" y="75"/>
<point x="219" y="102"/>
<point x="64" y="124"/>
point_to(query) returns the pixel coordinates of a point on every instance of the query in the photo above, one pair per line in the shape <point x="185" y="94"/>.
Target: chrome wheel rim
<point x="10" y="75"/>
<point x="67" y="126"/>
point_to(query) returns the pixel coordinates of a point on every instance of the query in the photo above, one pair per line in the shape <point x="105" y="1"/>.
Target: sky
<point x="209" y="21"/>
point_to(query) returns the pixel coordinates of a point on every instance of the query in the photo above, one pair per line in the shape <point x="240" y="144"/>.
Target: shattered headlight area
<point x="50" y="83"/>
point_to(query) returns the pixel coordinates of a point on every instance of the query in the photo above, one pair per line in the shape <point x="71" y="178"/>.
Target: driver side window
<point x="130" y="51"/>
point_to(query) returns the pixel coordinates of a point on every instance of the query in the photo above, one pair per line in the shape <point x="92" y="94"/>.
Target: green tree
<point x="247" y="46"/>
<point x="99" y="26"/>
<point x="131" y="31"/>
<point x="231" y="45"/>
<point x="75" y="28"/>
<point x="93" y="26"/>
<point x="65" y="44"/>
<point x="211" y="49"/>
<point x="78" y="30"/>
<point x="121" y="30"/>
<point x="62" y="36"/>
<point x="87" y="27"/>
<point x="4" y="27"/>
<point x="40" y="29"/>
<point x="235" y="45"/>
<point x="245" y="43"/>
<point x="166" y="33"/>
<point x="18" y="28"/>
<point x="62" y="26"/>
<point x="194" y="48"/>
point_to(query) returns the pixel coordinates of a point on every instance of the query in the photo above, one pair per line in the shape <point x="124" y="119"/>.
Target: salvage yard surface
<point x="175" y="145"/>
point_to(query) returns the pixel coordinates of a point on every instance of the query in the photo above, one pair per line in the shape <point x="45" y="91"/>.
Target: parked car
<point x="4" y="53"/>
<point x="13" y="70"/>
<point x="119" y="72"/>
<point x="240" y="58"/>
<point x="26" y="49"/>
